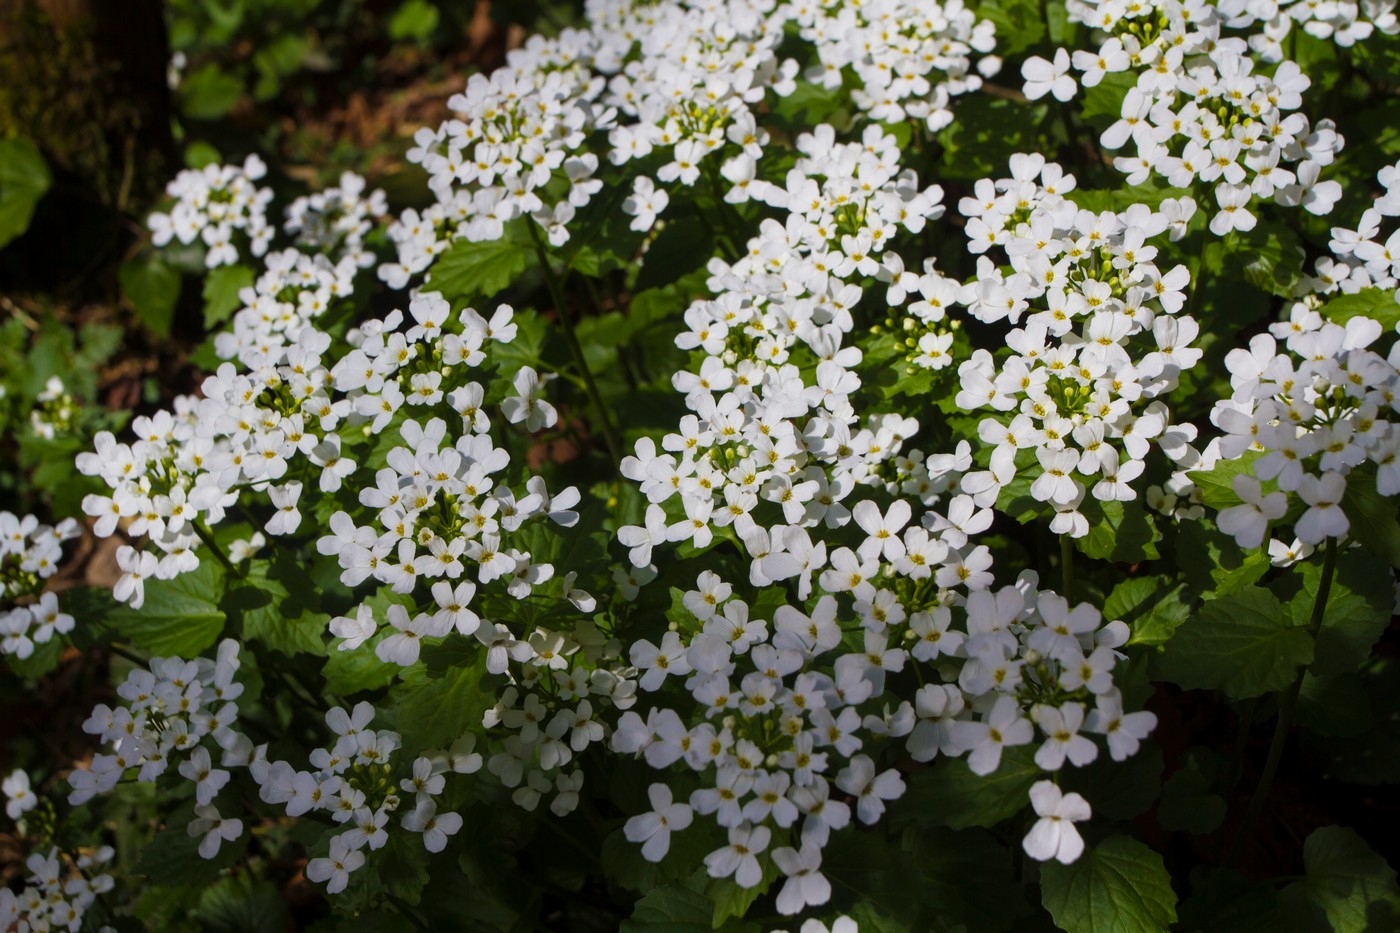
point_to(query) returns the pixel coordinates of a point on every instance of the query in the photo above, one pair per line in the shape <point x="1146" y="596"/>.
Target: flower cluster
<point x="55" y="412"/>
<point x="788" y="714"/>
<point x="58" y="892"/>
<point x="1307" y="417"/>
<point x="292" y="293"/>
<point x="221" y="205"/>
<point x="910" y="58"/>
<point x="353" y="782"/>
<point x="1197" y="110"/>
<point x="1268" y="22"/>
<point x="336" y="220"/>
<point x="786" y="747"/>
<point x="29" y="555"/>
<point x="1101" y="340"/>
<point x="515" y="133"/>
<point x="1368" y="256"/>
<point x="168" y="711"/>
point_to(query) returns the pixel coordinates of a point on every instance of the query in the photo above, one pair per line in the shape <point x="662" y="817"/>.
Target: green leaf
<point x="678" y="908"/>
<point x="1119" y="886"/>
<point x="209" y="93"/>
<point x="1373" y="517"/>
<point x="1222" y="899"/>
<point x="1359" y="607"/>
<point x="180" y="617"/>
<point x="403" y="868"/>
<point x="1270" y="258"/>
<point x="172" y="857"/>
<point x="1122" y="532"/>
<point x="200" y="153"/>
<point x="153" y="288"/>
<point x="240" y="904"/>
<point x="1373" y="756"/>
<point x="968" y="879"/>
<point x="1376" y="303"/>
<point x="1189" y="802"/>
<point x="1217" y="484"/>
<point x="433" y="712"/>
<point x="468" y="271"/>
<point x="1119" y="790"/>
<point x="1347" y="888"/>
<point x="1336" y="706"/>
<point x="1151" y="607"/>
<point x="1213" y="563"/>
<point x="867" y="868"/>
<point x="624" y="863"/>
<point x="1103" y="103"/>
<point x="949" y="794"/>
<point x="731" y="899"/>
<point x="1019" y="23"/>
<point x="24" y="179"/>
<point x="44" y="659"/>
<point x="683" y="244"/>
<point x="415" y="19"/>
<point x="221" y="288"/>
<point x="1243" y="643"/>
<point x="264" y="601"/>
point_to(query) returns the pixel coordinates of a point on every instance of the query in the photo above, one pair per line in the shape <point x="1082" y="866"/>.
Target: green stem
<point x="208" y="538"/>
<point x="1066" y="566"/>
<point x="407" y="912"/>
<point x="570" y="337"/>
<point x="1287" y="706"/>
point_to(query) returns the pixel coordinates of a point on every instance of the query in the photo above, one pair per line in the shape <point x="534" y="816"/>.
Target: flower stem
<point x="571" y="338"/>
<point x="1287" y="706"/>
<point x="208" y="538"/>
<point x="1066" y="567"/>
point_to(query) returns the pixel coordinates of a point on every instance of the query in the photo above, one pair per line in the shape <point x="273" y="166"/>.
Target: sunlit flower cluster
<point x="1101" y="338"/>
<point x="29" y="554"/>
<point x="911" y="59"/>
<point x="220" y="205"/>
<point x="59" y="890"/>
<point x="1308" y="416"/>
<point x="1198" y="111"/>
<point x="336" y="220"/>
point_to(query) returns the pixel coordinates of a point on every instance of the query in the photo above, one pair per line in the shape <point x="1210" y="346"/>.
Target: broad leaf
<point x="1119" y="886"/>
<point x="1243" y="643"/>
<point x="679" y="908"/>
<point x="433" y="712"/>
<point x="1150" y="606"/>
<point x="152" y="287"/>
<point x="1359" y="606"/>
<point x="275" y="606"/>
<point x="221" y="288"/>
<point x="1347" y="888"/>
<point x="949" y="794"/>
<point x="24" y="179"/>
<point x="1376" y="303"/>
<point x="180" y="617"/>
<point x="468" y="270"/>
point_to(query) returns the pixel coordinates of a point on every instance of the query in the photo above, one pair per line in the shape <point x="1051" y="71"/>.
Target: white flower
<point x="1043" y="77"/>
<point x="1054" y="835"/>
<point x="527" y="404"/>
<point x="1324" y="517"/>
<point x="740" y="857"/>
<point x="435" y="827"/>
<point x="806" y="885"/>
<point x="654" y="829"/>
<point x="335" y="870"/>
<point x="1249" y="522"/>
<point x="214" y="829"/>
<point x="19" y="799"/>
